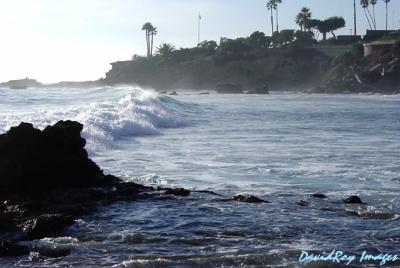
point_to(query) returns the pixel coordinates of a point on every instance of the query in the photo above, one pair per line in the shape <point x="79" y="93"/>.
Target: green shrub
<point x="357" y="50"/>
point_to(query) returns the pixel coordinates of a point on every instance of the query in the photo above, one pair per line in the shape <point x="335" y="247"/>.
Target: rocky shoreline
<point x="47" y="182"/>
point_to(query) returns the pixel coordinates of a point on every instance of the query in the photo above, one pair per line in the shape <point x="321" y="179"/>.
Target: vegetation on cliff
<point x="281" y="61"/>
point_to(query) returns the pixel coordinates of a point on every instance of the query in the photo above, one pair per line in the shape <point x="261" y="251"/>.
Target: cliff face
<point x="280" y="69"/>
<point x="378" y="72"/>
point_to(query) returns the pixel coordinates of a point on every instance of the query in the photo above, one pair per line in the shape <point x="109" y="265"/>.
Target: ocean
<point x="281" y="147"/>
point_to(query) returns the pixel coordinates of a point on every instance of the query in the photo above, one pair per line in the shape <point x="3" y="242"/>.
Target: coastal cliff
<point x="279" y="68"/>
<point x="290" y="68"/>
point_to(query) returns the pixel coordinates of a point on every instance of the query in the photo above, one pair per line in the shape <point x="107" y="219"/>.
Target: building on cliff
<point x="380" y="46"/>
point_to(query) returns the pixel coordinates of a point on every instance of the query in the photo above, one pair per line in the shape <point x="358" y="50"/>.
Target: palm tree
<point x="303" y="18"/>
<point x="364" y="5"/>
<point x="165" y="49"/>
<point x="277" y="2"/>
<point x="146" y="27"/>
<point x="153" y="32"/>
<point x="271" y="7"/>
<point x="387" y="3"/>
<point x="373" y="3"/>
<point x="150" y="32"/>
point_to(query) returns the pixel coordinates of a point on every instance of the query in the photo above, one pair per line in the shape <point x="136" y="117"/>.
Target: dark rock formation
<point x="177" y="192"/>
<point x="353" y="200"/>
<point x="47" y="226"/>
<point x="303" y="203"/>
<point x="319" y="195"/>
<point x="34" y="161"/>
<point x="11" y="249"/>
<point x="53" y="252"/>
<point x="46" y="180"/>
<point x="248" y="199"/>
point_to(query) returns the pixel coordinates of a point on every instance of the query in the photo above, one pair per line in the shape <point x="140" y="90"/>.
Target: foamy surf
<point x="139" y="112"/>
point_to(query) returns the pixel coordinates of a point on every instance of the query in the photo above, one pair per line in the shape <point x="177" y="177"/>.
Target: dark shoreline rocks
<point x="11" y="249"/>
<point x="47" y="225"/>
<point x="319" y="195"/>
<point x="353" y="200"/>
<point x="33" y="161"/>
<point x="244" y="199"/>
<point x="177" y="192"/>
<point x="248" y="199"/>
<point x="47" y="180"/>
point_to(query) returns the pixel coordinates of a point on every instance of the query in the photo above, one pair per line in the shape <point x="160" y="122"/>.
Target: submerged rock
<point x="11" y="249"/>
<point x="54" y="252"/>
<point x="177" y="192"/>
<point x="319" y="195"/>
<point x="248" y="199"/>
<point x="303" y="203"/>
<point x="353" y="200"/>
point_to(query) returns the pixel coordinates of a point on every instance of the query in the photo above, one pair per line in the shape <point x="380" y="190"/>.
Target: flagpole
<point x="198" y="32"/>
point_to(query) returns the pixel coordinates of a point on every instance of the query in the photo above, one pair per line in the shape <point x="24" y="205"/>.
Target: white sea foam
<point x="139" y="112"/>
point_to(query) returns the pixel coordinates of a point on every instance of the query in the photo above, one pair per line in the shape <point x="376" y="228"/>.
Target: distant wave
<point x="139" y="112"/>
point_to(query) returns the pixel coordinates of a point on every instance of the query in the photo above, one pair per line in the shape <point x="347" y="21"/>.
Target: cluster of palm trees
<point x="370" y="16"/>
<point x="271" y="6"/>
<point x="163" y="50"/>
<point x="303" y="19"/>
<point x="151" y="31"/>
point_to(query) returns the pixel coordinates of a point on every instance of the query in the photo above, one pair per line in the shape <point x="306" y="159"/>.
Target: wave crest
<point x="137" y="113"/>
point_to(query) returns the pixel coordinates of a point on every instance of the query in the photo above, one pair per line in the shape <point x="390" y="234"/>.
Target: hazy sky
<point x="59" y="40"/>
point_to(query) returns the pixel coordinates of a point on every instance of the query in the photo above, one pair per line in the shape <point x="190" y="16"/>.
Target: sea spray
<point x="138" y="112"/>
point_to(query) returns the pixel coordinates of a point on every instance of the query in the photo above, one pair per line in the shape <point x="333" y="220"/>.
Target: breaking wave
<point x="136" y="113"/>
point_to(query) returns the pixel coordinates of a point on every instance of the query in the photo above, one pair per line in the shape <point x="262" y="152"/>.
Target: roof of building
<point x="381" y="43"/>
